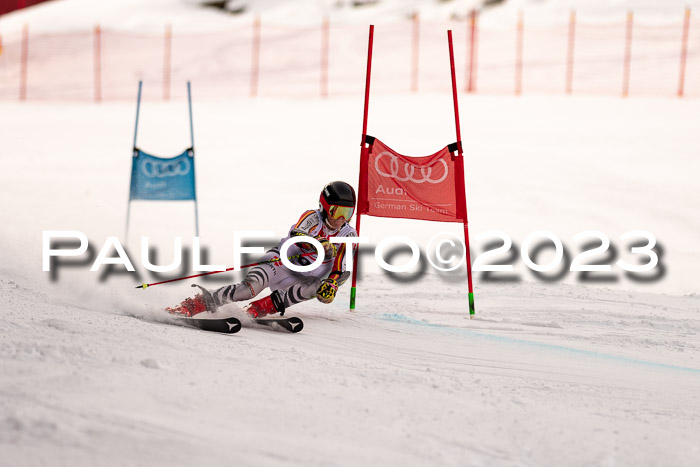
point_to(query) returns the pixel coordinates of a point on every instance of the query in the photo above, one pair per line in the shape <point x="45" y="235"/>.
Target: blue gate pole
<point x="138" y="107"/>
<point x="196" y="210"/>
<point x="189" y="102"/>
<point x="133" y="154"/>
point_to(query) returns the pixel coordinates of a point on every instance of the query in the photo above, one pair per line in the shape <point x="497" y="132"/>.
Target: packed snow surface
<point x="545" y="375"/>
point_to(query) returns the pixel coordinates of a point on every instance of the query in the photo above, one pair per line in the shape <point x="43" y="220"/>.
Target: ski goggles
<point x="336" y="212"/>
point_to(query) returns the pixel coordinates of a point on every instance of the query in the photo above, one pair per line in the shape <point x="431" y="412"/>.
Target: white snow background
<point x="562" y="372"/>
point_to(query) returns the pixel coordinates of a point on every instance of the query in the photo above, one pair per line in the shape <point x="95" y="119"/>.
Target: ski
<point x="205" y="302"/>
<point x="292" y="324"/>
<point x="233" y="325"/>
<point x="224" y="325"/>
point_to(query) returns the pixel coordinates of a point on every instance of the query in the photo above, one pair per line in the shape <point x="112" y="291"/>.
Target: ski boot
<point x="192" y="306"/>
<point x="269" y="305"/>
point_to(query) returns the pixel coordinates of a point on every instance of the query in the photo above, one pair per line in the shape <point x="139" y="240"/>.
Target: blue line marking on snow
<point x="513" y="340"/>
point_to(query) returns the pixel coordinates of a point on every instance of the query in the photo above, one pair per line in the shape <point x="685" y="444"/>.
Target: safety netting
<point x="257" y="58"/>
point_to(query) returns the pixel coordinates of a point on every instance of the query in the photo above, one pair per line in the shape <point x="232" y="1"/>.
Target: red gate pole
<point x="570" y="53"/>
<point x="254" y="70"/>
<point x="98" y="63"/>
<point x="684" y="52"/>
<point x="167" y="52"/>
<point x="519" y="54"/>
<point x="24" y="63"/>
<point x="325" y="40"/>
<point x="471" y="61"/>
<point x="460" y="187"/>
<point x="363" y="158"/>
<point x="415" y="42"/>
<point x="367" y="82"/>
<point x="628" y="55"/>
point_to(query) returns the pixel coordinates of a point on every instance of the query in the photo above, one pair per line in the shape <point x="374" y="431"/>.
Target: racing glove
<point x="326" y="291"/>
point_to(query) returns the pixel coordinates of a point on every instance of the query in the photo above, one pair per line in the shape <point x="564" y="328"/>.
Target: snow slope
<point x="562" y="373"/>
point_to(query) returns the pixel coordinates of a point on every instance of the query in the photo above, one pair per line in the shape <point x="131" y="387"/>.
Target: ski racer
<point x="336" y="208"/>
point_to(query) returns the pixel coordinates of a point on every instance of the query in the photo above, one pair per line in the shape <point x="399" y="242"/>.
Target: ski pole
<point x="273" y="260"/>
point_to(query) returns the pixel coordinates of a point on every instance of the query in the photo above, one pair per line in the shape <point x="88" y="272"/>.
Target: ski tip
<point x="142" y="286"/>
<point x="292" y="324"/>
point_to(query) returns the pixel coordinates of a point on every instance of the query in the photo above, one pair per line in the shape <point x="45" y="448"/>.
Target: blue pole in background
<point x="189" y="102"/>
<point x="138" y="107"/>
<point x="196" y="210"/>
<point x="136" y="130"/>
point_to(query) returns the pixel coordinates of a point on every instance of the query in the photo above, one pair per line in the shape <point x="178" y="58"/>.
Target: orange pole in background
<point x="684" y="52"/>
<point x="325" y="40"/>
<point x="98" y="63"/>
<point x="519" y="54"/>
<point x="254" y="70"/>
<point x="167" y="55"/>
<point x="415" y="41"/>
<point x="24" y="63"/>
<point x="570" y="53"/>
<point x="471" y="59"/>
<point x="628" y="55"/>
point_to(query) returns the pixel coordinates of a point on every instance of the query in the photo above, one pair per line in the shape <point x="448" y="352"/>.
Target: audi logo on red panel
<point x="408" y="174"/>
